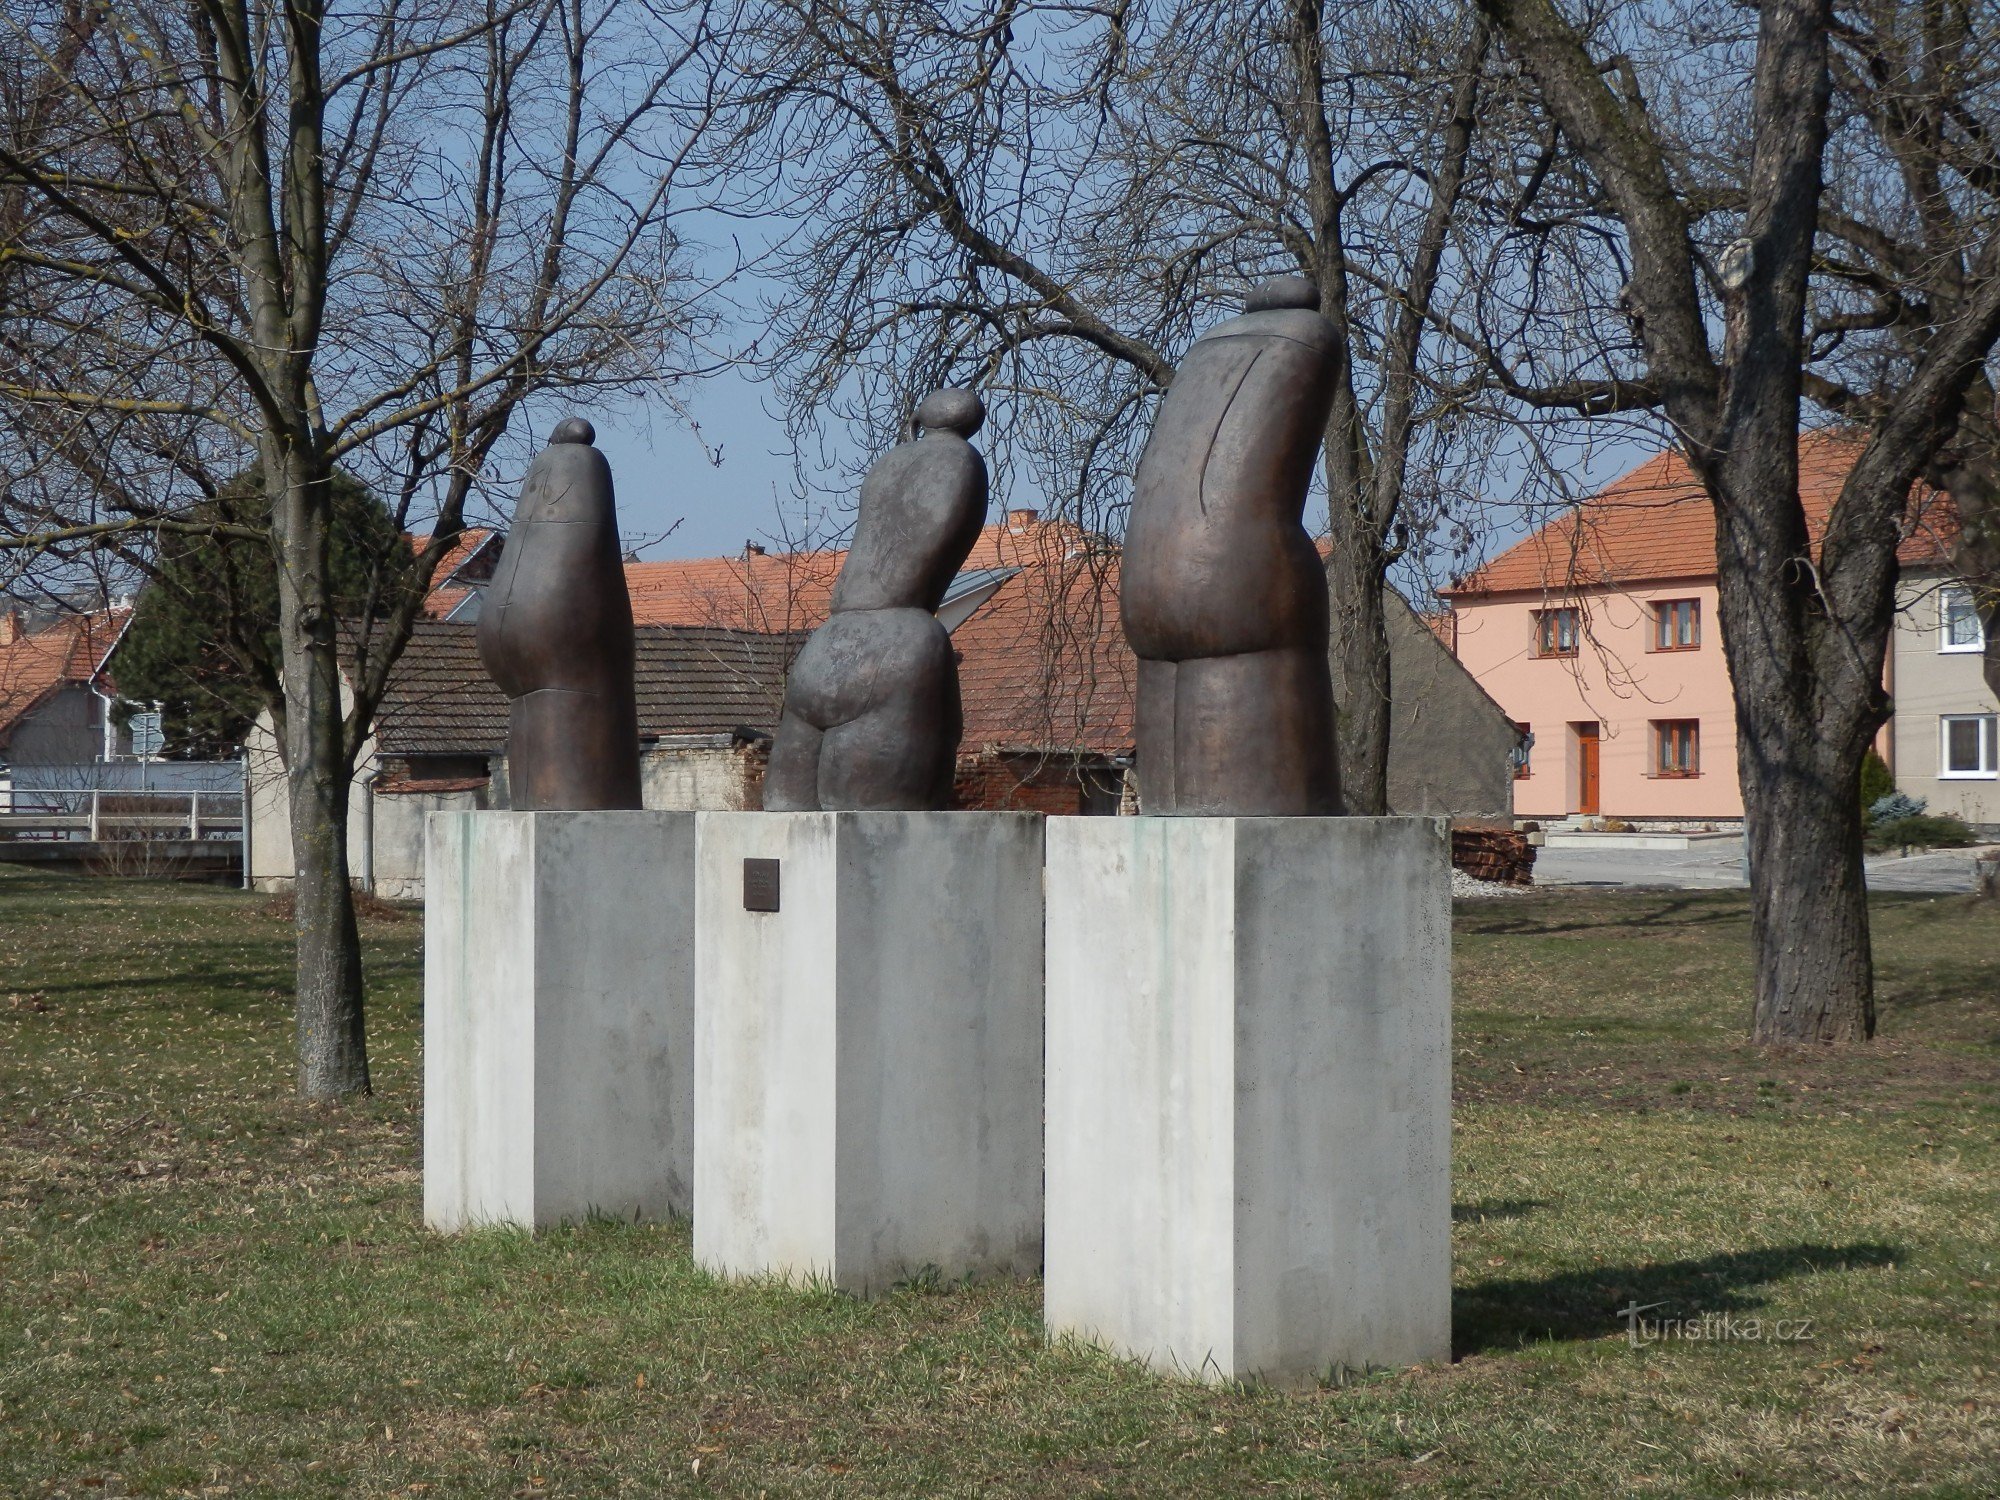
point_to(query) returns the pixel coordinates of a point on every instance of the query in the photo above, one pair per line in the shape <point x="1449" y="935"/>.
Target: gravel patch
<point x="1464" y="887"/>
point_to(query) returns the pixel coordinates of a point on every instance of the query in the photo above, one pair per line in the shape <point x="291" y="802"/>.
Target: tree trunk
<point x="1809" y="903"/>
<point x="1808" y="695"/>
<point x="1359" y="653"/>
<point x="332" y="1043"/>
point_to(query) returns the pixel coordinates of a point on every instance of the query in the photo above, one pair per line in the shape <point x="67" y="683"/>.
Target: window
<point x="1677" y="747"/>
<point x="1958" y="622"/>
<point x="1969" y="748"/>
<point x="1524" y="748"/>
<point x="1676" y="624"/>
<point x="1555" y="632"/>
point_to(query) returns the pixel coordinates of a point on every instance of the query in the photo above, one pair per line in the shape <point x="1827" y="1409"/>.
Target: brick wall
<point x="1004" y="781"/>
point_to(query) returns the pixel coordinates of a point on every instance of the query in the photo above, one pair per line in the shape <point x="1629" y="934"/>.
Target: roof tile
<point x="1656" y="523"/>
<point x="67" y="652"/>
<point x="1043" y="662"/>
<point x="689" y="680"/>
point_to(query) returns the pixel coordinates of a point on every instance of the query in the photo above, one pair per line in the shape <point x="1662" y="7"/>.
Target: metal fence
<point x="193" y="800"/>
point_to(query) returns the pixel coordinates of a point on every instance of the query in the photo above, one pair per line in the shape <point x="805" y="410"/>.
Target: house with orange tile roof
<point x="53" y="709"/>
<point x="1599" y="635"/>
<point x="1045" y="681"/>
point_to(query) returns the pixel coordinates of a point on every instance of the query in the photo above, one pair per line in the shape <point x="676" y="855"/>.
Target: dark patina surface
<point x="1223" y="595"/>
<point x="872" y="719"/>
<point x="555" y="632"/>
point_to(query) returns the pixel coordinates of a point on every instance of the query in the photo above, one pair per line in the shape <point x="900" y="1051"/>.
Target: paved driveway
<point x="1719" y="866"/>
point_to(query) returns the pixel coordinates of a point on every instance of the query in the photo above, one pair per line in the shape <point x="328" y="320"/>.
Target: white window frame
<point x="1945" y="643"/>
<point x="1989" y="751"/>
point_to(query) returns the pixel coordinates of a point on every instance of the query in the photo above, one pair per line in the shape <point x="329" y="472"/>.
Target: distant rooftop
<point x="691" y="680"/>
<point x="1655" y="523"/>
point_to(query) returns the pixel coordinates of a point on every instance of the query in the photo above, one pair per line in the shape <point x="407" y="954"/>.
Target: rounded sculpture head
<point x="922" y="505"/>
<point x="951" y="410"/>
<point x="569" y="482"/>
<point x="1282" y="292"/>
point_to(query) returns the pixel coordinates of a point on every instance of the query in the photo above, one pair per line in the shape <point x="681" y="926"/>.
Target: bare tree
<point x="1048" y="201"/>
<point x="1717" y="200"/>
<point x="1912" y="202"/>
<point x="288" y="236"/>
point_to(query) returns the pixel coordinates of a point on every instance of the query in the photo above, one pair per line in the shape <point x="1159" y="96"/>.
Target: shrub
<point x="1877" y="781"/>
<point x="1895" y="808"/>
<point x="1920" y="831"/>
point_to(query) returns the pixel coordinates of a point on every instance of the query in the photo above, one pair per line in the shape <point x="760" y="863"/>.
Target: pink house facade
<point x="1621" y="726"/>
<point x="1599" y="636"/>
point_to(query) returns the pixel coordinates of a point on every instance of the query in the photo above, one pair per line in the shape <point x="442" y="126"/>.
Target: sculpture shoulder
<point x="921" y="508"/>
<point x="1296" y="325"/>
<point x="938" y="458"/>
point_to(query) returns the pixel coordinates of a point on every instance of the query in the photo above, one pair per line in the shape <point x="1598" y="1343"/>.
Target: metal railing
<point x="101" y="813"/>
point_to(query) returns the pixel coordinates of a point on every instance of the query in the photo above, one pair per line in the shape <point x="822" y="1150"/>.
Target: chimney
<point x="12" y="627"/>
<point x="1021" y="520"/>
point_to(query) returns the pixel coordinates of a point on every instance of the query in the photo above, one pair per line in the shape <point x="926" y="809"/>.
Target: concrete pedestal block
<point x="558" y="1016"/>
<point x="868" y="1056"/>
<point x="1249" y="1092"/>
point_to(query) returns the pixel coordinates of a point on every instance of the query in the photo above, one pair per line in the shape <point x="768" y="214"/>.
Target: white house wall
<point x="1929" y="684"/>
<point x="271" y="864"/>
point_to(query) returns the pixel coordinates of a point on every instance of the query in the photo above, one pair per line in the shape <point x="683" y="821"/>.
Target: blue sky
<point x="666" y="474"/>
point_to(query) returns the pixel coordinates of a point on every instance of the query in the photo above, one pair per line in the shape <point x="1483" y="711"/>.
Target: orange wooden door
<point x="1586" y="756"/>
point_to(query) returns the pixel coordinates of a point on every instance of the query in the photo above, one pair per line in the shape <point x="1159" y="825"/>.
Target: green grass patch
<point x="207" y="1288"/>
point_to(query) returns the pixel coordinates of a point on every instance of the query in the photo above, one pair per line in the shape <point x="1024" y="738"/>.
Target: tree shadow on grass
<point x="1688" y="909"/>
<point x="1498" y="1315"/>
<point x="1957" y="984"/>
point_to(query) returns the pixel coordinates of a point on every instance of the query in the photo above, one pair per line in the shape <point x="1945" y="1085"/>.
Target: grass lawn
<point x="208" y="1289"/>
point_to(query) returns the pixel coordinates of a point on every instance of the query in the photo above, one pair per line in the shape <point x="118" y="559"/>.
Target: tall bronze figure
<point x="1223" y="594"/>
<point x="872" y="717"/>
<point x="555" y="632"/>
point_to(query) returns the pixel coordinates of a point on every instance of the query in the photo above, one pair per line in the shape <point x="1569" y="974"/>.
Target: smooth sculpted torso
<point x="1223" y="595"/>
<point x="872" y="717"/>
<point x="555" y="632"/>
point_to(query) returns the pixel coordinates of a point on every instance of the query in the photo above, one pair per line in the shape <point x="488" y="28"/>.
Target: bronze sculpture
<point x="555" y="632"/>
<point x="871" y="719"/>
<point x="1223" y="594"/>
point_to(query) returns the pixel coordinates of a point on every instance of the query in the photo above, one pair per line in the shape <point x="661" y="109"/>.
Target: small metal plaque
<point x="760" y="885"/>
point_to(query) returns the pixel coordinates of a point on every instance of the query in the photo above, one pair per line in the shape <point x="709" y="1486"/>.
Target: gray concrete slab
<point x="1720" y="867"/>
<point x="1249" y="1093"/>
<point x="868" y="1046"/>
<point x="558" y="1017"/>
